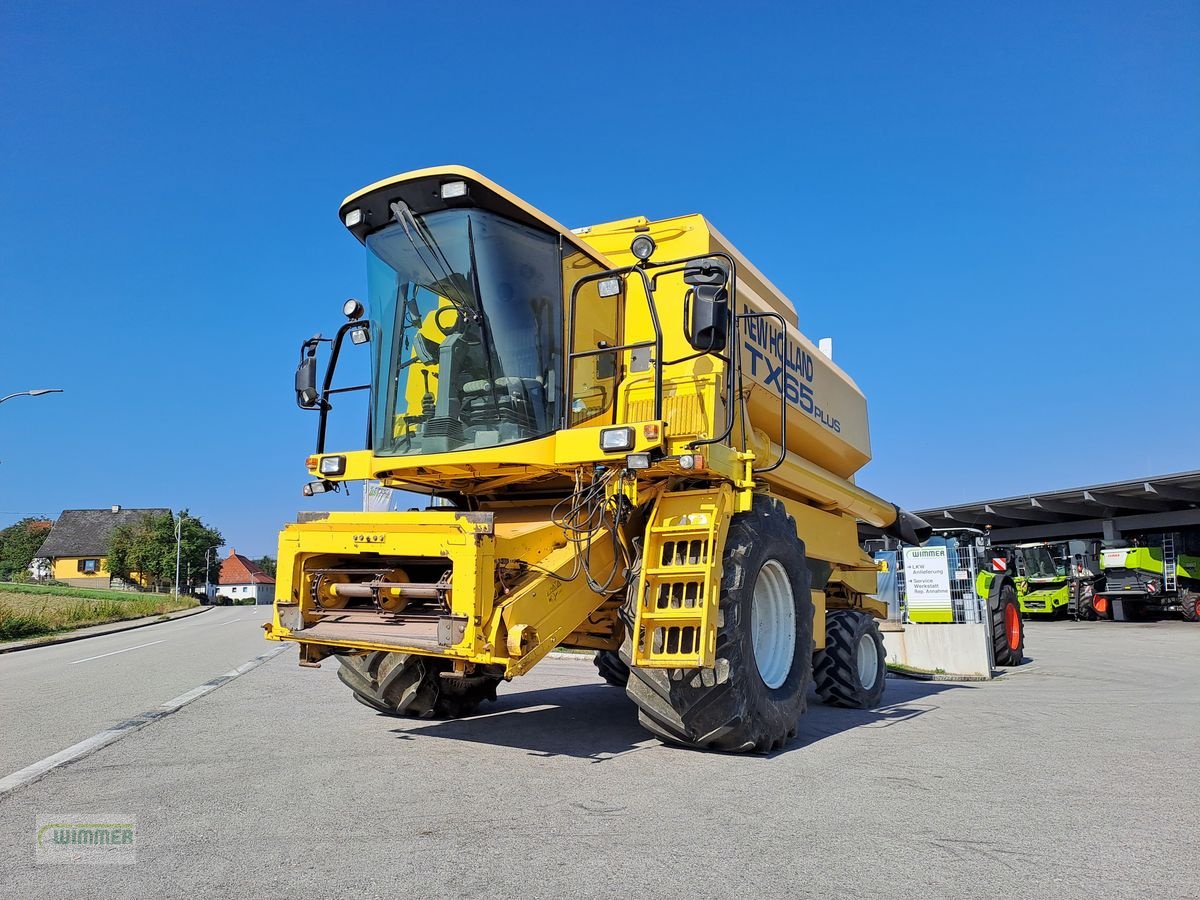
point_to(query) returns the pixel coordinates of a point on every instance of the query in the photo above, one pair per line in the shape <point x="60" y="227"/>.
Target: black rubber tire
<point x="611" y="667"/>
<point x="1085" y="604"/>
<point x="404" y="684"/>
<point x="729" y="707"/>
<point x="1005" y="654"/>
<point x="1190" y="600"/>
<point x="835" y="669"/>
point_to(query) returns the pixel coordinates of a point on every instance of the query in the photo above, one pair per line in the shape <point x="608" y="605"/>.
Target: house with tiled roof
<point x="243" y="579"/>
<point x="76" y="549"/>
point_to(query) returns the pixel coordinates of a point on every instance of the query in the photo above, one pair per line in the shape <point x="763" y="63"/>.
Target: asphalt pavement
<point x="52" y="697"/>
<point x="1072" y="777"/>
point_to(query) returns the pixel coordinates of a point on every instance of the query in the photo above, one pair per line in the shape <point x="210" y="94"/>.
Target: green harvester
<point x="1150" y="579"/>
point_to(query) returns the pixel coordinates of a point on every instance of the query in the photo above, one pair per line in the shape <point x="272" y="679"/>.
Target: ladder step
<point x="684" y="572"/>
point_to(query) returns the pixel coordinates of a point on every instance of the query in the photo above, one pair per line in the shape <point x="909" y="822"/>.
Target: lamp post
<point x="37" y="392"/>
<point x="207" y="578"/>
<point x="178" y="545"/>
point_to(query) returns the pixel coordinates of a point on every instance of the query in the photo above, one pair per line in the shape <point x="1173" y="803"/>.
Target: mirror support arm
<point x="323" y="404"/>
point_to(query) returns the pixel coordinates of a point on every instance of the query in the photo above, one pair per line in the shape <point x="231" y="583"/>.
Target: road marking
<point x="32" y="773"/>
<point x="230" y="622"/>
<point x="114" y="653"/>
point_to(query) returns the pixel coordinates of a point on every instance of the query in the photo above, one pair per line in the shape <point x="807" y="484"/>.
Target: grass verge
<point x="29" y="611"/>
<point x="902" y="669"/>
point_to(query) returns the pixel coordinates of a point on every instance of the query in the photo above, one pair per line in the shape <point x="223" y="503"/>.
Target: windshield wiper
<point x="412" y="225"/>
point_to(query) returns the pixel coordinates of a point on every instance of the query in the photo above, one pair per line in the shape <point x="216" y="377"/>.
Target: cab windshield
<point x="466" y="317"/>
<point x="1039" y="563"/>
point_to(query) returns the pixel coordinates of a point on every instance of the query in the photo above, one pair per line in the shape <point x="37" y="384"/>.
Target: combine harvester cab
<point x="1044" y="585"/>
<point x="626" y="445"/>
<point x="1060" y="579"/>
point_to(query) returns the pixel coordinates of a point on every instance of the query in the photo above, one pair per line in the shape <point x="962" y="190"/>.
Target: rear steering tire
<point x="754" y="696"/>
<point x="850" y="672"/>
<point x="1008" y="631"/>
<point x="405" y="684"/>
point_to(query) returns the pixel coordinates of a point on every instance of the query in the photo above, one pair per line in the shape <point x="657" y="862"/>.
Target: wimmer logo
<point x="89" y="840"/>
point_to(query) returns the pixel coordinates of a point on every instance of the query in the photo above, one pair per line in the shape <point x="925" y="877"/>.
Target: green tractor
<point x="1152" y="577"/>
<point x="970" y="555"/>
<point x="1055" y="580"/>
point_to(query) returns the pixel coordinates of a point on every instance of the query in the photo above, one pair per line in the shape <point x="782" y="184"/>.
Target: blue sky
<point x="994" y="209"/>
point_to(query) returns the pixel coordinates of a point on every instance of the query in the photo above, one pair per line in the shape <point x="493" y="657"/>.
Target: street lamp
<point x="207" y="578"/>
<point x="178" y="545"/>
<point x="37" y="392"/>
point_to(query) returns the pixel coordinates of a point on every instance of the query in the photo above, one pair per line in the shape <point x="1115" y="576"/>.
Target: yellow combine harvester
<point x="627" y="446"/>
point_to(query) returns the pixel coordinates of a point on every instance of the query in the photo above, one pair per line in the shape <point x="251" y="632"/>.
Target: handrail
<point x="656" y="344"/>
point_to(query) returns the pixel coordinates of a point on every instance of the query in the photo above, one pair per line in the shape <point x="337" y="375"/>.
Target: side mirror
<point x="306" y="381"/>
<point x="708" y="323"/>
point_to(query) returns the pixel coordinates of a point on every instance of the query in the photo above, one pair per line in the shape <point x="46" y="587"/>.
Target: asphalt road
<point x="52" y="697"/>
<point x="1073" y="777"/>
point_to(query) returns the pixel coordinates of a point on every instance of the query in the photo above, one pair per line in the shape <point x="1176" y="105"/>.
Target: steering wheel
<point x="455" y="326"/>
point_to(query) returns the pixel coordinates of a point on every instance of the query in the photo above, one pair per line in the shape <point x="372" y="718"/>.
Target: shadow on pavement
<point x="587" y="721"/>
<point x="905" y="700"/>
<point x="597" y="722"/>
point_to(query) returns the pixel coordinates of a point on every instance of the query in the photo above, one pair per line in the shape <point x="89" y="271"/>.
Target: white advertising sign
<point x="926" y="578"/>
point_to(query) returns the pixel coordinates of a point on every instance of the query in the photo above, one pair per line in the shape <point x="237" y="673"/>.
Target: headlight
<point x="643" y="247"/>
<point x="613" y="439"/>
<point x="333" y="465"/>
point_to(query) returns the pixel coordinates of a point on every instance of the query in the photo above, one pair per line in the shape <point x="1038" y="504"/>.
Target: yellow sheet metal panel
<point x="827" y="418"/>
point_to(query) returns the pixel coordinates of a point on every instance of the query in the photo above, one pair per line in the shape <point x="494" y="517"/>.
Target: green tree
<point x="18" y="544"/>
<point x="146" y="548"/>
<point x="267" y="564"/>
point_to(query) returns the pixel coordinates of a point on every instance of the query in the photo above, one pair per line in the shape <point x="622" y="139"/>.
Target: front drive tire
<point x="1008" y="631"/>
<point x="611" y="667"/>
<point x="1085" y="604"/>
<point x="851" y="671"/>
<point x="1190" y="601"/>
<point x="410" y="685"/>
<point x="752" y="699"/>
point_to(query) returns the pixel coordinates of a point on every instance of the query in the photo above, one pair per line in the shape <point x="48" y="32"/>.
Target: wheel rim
<point x="868" y="661"/>
<point x="773" y="624"/>
<point x="1012" y="625"/>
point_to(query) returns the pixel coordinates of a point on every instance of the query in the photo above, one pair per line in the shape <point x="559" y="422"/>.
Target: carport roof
<point x="1163" y="501"/>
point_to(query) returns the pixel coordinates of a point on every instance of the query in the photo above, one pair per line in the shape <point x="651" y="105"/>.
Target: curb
<point x="127" y="625"/>
<point x="923" y="676"/>
<point x="561" y="654"/>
